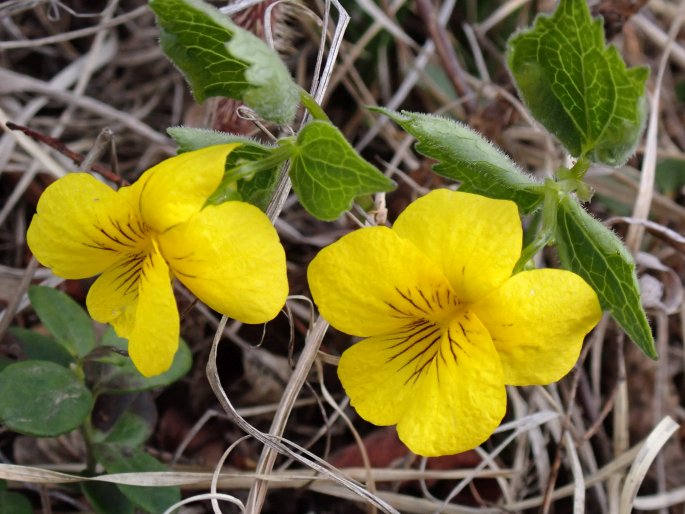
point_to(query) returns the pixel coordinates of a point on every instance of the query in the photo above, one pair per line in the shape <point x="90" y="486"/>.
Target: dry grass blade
<point x="643" y="460"/>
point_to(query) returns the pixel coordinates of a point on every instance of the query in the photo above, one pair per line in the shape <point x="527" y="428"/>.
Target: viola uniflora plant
<point x="142" y="236"/>
<point x="445" y="323"/>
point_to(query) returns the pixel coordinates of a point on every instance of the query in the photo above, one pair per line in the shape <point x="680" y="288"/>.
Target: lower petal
<point x="442" y="385"/>
<point x="230" y="257"/>
<point x="538" y="320"/>
<point x="136" y="297"/>
<point x="379" y="374"/>
<point x="114" y="295"/>
<point x="153" y="340"/>
<point x="460" y="398"/>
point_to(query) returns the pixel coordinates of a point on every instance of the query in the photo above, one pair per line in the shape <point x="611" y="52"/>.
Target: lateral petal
<point x="82" y="226"/>
<point x="460" y="396"/>
<point x="537" y="320"/>
<point x="370" y="282"/>
<point x="178" y="187"/>
<point x="476" y="241"/>
<point x="153" y="339"/>
<point x="230" y="257"/>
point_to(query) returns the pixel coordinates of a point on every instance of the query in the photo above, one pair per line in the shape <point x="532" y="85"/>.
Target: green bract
<point x="578" y="88"/>
<point x="221" y="59"/>
<point x="465" y="155"/>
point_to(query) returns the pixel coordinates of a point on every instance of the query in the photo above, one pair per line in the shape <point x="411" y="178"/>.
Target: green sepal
<point x="465" y="155"/>
<point x="66" y="320"/>
<point x="577" y="87"/>
<point x="594" y="252"/>
<point x="219" y="58"/>
<point x="43" y="399"/>
<point x="328" y="174"/>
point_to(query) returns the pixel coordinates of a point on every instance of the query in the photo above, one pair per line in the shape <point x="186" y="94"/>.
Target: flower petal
<point x="230" y="257"/>
<point x="379" y="373"/>
<point x="137" y="299"/>
<point x="538" y="320"/>
<point x="177" y="188"/>
<point x="114" y="295"/>
<point x="370" y="282"/>
<point x="82" y="226"/>
<point x="476" y="241"/>
<point x="460" y="398"/>
<point x="153" y="341"/>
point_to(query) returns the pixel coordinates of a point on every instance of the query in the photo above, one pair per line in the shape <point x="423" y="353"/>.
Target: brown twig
<point x="58" y="145"/>
<point x="446" y="53"/>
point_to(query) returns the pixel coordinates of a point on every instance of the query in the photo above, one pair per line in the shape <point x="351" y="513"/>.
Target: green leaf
<point x="594" y="252"/>
<point x="327" y="173"/>
<point x="64" y="318"/>
<point x="577" y="87"/>
<point x="106" y="498"/>
<point x="121" y="376"/>
<point x="13" y="503"/>
<point x="122" y="459"/>
<point x="126" y="419"/>
<point x="670" y="176"/>
<point x="42" y="348"/>
<point x="221" y="59"/>
<point x="130" y="430"/>
<point x="42" y="398"/>
<point x="465" y="155"/>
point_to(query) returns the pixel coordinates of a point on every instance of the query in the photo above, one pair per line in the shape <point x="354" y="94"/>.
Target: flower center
<point x="427" y="334"/>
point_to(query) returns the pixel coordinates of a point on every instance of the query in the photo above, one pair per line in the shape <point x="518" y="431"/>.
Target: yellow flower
<point x="445" y="323"/>
<point x="141" y="236"/>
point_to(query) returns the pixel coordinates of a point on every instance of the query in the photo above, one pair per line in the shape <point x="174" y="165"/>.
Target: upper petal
<point x="476" y="241"/>
<point x="370" y="282"/>
<point x="82" y="226"/>
<point x="230" y="257"/>
<point x="459" y="398"/>
<point x="538" y="320"/>
<point x="178" y="187"/>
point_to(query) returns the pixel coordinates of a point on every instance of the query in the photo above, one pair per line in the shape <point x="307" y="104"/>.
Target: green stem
<point x="314" y="108"/>
<point x="247" y="170"/>
<point x="549" y="222"/>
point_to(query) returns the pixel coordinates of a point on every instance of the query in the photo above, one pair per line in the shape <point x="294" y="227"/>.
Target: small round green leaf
<point x="42" y="398"/>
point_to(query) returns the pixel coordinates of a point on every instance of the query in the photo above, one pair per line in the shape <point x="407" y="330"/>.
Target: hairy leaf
<point x="465" y="155"/>
<point x="594" y="252"/>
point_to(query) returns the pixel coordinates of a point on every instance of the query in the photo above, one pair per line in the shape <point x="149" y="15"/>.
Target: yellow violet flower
<point x="445" y="323"/>
<point x="142" y="235"/>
